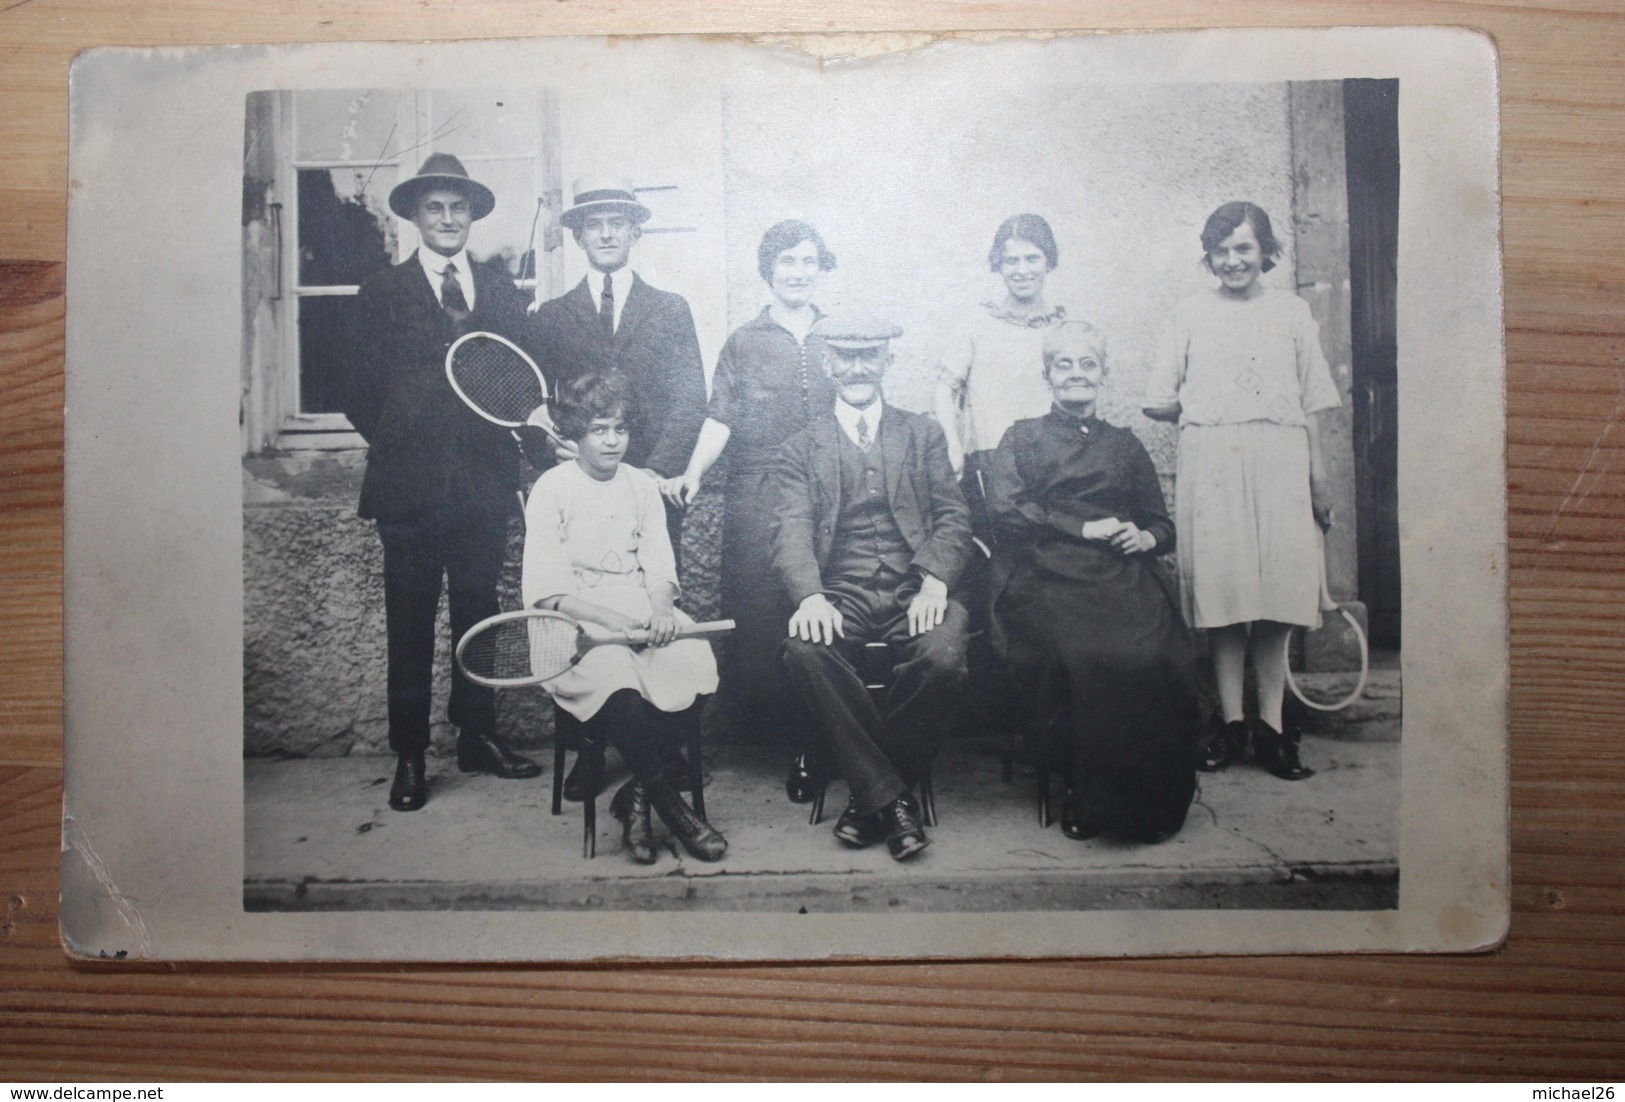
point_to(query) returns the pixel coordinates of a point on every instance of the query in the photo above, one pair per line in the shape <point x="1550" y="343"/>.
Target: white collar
<point x="848" y="416"/>
<point x="620" y="279"/>
<point x="434" y="266"/>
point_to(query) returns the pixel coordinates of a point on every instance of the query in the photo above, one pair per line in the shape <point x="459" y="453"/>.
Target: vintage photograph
<point x="1034" y="460"/>
<point x="823" y="498"/>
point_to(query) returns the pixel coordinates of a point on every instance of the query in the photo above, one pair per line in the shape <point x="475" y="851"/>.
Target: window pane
<point x="504" y="234"/>
<point x="346" y="232"/>
<point x="471" y="124"/>
<point x="360" y="125"/>
<point x="323" y="325"/>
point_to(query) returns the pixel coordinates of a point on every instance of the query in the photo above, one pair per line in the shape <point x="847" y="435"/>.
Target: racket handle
<point x="701" y="630"/>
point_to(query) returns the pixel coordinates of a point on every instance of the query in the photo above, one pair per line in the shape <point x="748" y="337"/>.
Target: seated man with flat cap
<point x="872" y="535"/>
<point x="440" y="481"/>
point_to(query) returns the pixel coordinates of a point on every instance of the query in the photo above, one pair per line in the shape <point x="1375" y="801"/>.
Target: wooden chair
<point x="567" y="729"/>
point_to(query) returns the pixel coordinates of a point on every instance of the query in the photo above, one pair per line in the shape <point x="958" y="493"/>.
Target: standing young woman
<point x="988" y="380"/>
<point x="1242" y="371"/>
<point x="768" y="385"/>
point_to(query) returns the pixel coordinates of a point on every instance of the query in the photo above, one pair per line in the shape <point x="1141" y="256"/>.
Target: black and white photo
<point x="962" y="492"/>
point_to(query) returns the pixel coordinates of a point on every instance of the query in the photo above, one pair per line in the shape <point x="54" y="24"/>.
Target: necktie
<point x="606" y="308"/>
<point x="863" y="433"/>
<point x="451" y="295"/>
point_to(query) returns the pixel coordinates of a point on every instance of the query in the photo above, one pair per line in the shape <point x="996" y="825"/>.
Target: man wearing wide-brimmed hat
<point x="440" y="481"/>
<point x="612" y="322"/>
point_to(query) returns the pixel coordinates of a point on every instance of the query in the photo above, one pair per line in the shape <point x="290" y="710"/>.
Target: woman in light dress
<point x="1241" y="370"/>
<point x="989" y="377"/>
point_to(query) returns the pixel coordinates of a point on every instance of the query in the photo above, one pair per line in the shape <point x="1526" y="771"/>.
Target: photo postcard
<point x="575" y="498"/>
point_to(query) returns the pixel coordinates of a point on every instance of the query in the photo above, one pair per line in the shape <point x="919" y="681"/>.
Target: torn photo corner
<point x="1132" y="403"/>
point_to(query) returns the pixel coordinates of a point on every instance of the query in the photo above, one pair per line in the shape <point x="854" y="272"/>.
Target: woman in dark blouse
<point x="769" y="383"/>
<point x="1091" y="625"/>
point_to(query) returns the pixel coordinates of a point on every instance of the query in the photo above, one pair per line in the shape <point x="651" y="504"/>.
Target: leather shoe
<point x="805" y="780"/>
<point x="698" y="837"/>
<point x="1279" y="754"/>
<point x="860" y="830"/>
<point x="677" y="770"/>
<point x="411" y="788"/>
<point x="483" y="752"/>
<point x="1082" y="820"/>
<point x="631" y="806"/>
<point x="904" y="835"/>
<point x="575" y="782"/>
<point x="1223" y="744"/>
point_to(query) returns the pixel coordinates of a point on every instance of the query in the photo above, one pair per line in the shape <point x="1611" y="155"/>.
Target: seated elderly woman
<point x="1092" y="626"/>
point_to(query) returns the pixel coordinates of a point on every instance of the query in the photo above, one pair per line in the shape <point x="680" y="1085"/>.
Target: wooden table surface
<point x="1548" y="1007"/>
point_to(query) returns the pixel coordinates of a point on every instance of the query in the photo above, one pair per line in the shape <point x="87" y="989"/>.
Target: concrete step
<point x="320" y="836"/>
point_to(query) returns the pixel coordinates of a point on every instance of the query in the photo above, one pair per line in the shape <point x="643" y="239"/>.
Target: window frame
<point x="296" y="429"/>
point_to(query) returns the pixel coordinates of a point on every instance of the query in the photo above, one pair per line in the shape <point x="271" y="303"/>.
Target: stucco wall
<point x="908" y="189"/>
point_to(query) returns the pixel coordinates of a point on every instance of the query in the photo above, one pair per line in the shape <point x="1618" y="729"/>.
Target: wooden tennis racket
<point x="1330" y="604"/>
<point x="534" y="646"/>
<point x="496" y="380"/>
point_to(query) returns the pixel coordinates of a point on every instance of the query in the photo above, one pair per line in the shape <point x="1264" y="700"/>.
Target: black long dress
<point x="1094" y="638"/>
<point x="767" y="387"/>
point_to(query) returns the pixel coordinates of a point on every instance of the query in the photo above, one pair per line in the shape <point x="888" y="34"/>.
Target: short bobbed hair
<point x="1060" y="337"/>
<point x="1224" y="222"/>
<point x="589" y="398"/>
<point x="1027" y="227"/>
<point x="785" y="236"/>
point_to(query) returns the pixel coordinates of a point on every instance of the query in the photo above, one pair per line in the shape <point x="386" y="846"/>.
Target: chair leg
<point x="696" y="771"/>
<point x="558" y="769"/>
<point x="818" y="805"/>
<point x="589" y="803"/>
<point x="1043" y="796"/>
<point x="928" y="799"/>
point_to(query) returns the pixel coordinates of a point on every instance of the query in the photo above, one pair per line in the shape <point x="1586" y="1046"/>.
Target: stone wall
<point x="313" y="613"/>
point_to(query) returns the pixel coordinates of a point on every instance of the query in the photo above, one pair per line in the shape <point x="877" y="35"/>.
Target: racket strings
<point x="497" y="379"/>
<point x="520" y="650"/>
<point x="552" y="647"/>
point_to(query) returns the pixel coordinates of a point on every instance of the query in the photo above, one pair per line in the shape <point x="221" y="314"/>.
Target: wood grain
<point x="1550" y="1006"/>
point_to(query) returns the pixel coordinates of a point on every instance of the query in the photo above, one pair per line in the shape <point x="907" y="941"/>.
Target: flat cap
<point x="856" y="329"/>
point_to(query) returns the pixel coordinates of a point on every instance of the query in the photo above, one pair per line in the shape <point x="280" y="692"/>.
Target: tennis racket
<point x="496" y="380"/>
<point x="1328" y="604"/>
<point x="513" y="649"/>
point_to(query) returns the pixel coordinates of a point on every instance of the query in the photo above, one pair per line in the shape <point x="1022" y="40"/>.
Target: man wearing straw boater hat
<point x="440" y="481"/>
<point x="612" y="322"/>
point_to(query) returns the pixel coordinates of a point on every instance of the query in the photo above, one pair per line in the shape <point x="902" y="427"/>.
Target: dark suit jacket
<point x="656" y="348"/>
<point x="427" y="449"/>
<point x="925" y="499"/>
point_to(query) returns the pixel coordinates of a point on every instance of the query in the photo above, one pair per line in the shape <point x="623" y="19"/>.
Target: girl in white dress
<point x="1242" y="371"/>
<point x="596" y="549"/>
